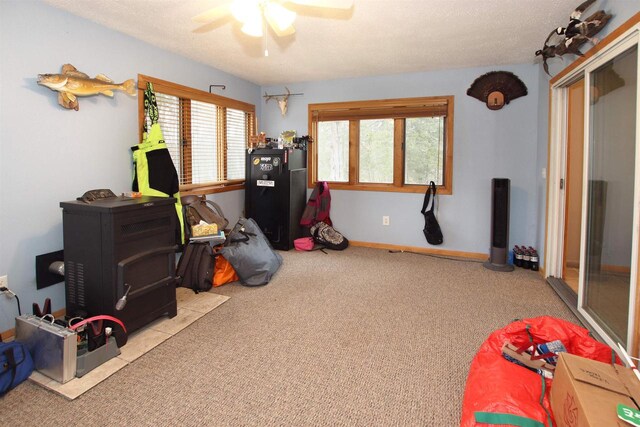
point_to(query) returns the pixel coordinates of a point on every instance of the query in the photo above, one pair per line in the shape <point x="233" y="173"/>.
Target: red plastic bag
<point x="497" y="386"/>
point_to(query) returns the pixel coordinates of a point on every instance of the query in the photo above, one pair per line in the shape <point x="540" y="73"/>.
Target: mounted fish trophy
<point x="72" y="83"/>
<point x="282" y="99"/>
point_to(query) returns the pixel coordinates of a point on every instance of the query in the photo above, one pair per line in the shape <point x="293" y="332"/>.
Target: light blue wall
<point x="49" y="154"/>
<point x="487" y="144"/>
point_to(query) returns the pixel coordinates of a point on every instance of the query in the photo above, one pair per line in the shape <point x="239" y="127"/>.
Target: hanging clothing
<point x="318" y="206"/>
<point x="154" y="173"/>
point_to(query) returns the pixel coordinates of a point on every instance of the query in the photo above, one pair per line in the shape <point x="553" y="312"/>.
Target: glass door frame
<point x="557" y="167"/>
<point x="595" y="64"/>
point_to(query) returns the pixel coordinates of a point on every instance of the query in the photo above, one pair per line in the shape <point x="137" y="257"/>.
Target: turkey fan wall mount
<point x="497" y="88"/>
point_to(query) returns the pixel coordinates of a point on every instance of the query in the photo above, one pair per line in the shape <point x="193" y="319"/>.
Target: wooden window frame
<point x="222" y="103"/>
<point x="397" y="109"/>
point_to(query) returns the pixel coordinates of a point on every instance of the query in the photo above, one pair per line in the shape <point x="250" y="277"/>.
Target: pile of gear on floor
<point x="212" y="258"/>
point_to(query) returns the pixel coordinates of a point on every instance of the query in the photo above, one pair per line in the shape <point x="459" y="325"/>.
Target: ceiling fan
<point x="256" y="14"/>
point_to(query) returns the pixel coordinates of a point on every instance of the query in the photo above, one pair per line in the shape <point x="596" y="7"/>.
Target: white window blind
<point x="204" y="145"/>
<point x="169" y="120"/>
<point x="236" y="143"/>
<point x="190" y="130"/>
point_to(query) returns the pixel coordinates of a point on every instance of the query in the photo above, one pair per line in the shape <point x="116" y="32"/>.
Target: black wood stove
<point x="117" y="246"/>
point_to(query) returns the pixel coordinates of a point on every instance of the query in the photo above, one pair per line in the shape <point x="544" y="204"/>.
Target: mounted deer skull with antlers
<point x="282" y="100"/>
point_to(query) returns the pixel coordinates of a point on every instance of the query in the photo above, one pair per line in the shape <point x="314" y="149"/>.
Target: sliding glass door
<point x="610" y="190"/>
<point x="593" y="193"/>
<point x="573" y="187"/>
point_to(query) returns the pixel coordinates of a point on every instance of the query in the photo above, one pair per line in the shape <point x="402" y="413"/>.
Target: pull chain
<point x="264" y="31"/>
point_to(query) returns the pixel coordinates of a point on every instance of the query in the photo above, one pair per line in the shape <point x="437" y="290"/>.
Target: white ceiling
<point x="376" y="37"/>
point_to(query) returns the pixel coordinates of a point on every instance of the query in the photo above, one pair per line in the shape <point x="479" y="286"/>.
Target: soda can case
<point x="53" y="347"/>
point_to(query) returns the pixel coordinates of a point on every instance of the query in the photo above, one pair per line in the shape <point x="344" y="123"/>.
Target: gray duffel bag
<point x="251" y="254"/>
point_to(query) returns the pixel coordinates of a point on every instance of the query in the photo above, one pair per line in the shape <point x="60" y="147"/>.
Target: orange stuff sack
<point x="499" y="392"/>
<point x="223" y="272"/>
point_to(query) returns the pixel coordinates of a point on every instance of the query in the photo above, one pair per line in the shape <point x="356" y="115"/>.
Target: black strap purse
<point x="431" y="230"/>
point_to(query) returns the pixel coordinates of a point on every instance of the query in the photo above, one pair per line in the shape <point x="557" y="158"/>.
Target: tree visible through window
<point x="383" y="145"/>
<point x="376" y="151"/>
<point x="333" y="151"/>
<point x="424" y="150"/>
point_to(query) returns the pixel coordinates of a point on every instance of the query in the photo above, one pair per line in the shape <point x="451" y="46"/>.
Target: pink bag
<point x="304" y="244"/>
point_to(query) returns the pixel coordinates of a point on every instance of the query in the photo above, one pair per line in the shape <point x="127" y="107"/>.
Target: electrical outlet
<point x="385" y="220"/>
<point x="4" y="281"/>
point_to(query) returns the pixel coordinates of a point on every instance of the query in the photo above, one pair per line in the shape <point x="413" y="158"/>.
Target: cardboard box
<point x="586" y="393"/>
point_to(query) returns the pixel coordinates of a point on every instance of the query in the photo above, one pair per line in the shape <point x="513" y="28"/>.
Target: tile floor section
<point x="191" y="307"/>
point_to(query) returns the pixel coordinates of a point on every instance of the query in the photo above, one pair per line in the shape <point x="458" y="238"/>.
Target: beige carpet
<point x="355" y="338"/>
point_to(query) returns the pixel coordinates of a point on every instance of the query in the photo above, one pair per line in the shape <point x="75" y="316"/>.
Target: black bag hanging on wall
<point x="431" y="227"/>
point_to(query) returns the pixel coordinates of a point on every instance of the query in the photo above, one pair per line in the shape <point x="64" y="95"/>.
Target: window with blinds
<point x="383" y="145"/>
<point x="169" y="120"/>
<point x="236" y="143"/>
<point x="204" y="145"/>
<point x="207" y="135"/>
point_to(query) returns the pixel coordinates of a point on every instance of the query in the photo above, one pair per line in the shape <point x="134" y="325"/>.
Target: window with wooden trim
<point x="206" y="134"/>
<point x="383" y="145"/>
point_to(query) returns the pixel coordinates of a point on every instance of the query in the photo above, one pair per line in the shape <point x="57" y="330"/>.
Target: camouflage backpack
<point x="328" y="236"/>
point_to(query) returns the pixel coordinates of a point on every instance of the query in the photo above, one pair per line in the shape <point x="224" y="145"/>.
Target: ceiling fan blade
<point x="212" y="14"/>
<point x="280" y="19"/>
<point x="281" y="32"/>
<point x="332" y="4"/>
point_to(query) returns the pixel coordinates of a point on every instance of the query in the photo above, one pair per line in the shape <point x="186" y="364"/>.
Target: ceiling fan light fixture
<point x="242" y="10"/>
<point x="279" y="16"/>
<point x="332" y="4"/>
<point x="253" y="27"/>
